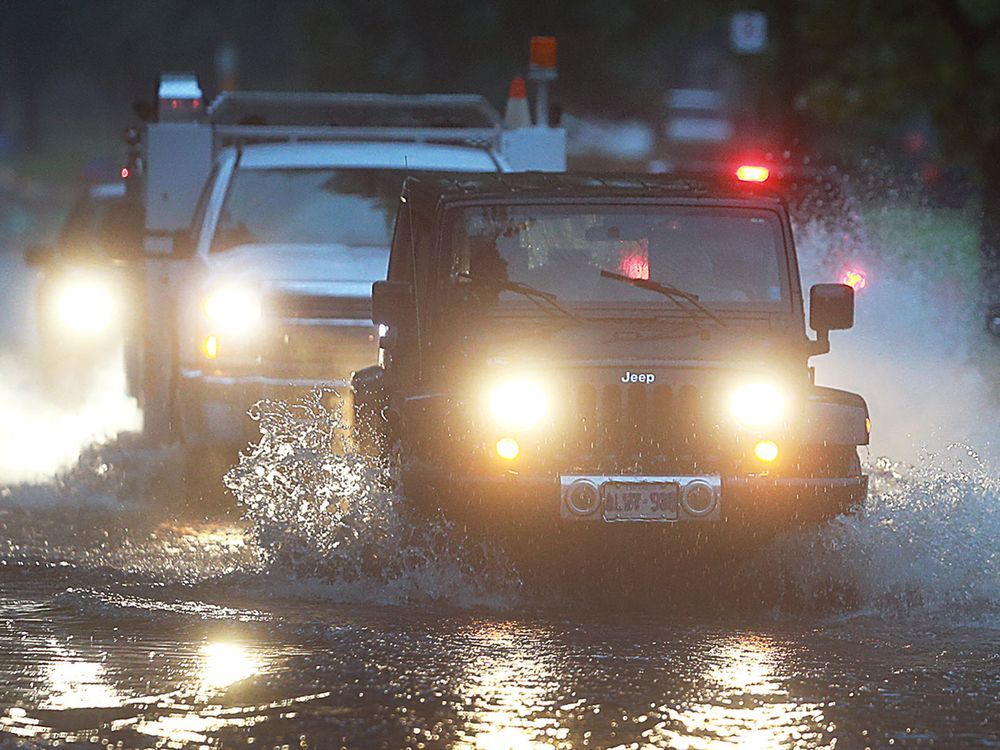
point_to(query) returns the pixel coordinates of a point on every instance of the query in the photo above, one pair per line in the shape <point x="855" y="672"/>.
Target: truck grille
<point x="319" y="351"/>
<point x="313" y="306"/>
<point x="653" y="428"/>
<point x="317" y="336"/>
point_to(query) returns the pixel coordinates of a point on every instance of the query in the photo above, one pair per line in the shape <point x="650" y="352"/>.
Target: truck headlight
<point x="85" y="304"/>
<point x="757" y="405"/>
<point x="521" y="403"/>
<point x="232" y="310"/>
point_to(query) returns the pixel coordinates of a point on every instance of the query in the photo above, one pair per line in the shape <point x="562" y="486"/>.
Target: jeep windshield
<point x="352" y="207"/>
<point x="723" y="257"/>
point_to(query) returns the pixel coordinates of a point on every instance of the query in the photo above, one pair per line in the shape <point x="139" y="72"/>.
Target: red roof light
<point x="752" y="173"/>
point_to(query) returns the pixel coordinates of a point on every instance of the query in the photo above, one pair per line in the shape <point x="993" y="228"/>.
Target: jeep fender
<point x="835" y="417"/>
<point x="370" y="403"/>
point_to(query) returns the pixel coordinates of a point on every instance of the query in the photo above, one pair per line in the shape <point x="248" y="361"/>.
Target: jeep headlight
<point x="520" y="403"/>
<point x="232" y="310"/>
<point x="86" y="304"/>
<point x="757" y="405"/>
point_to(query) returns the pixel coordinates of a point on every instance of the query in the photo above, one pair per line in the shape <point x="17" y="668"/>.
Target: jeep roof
<point x="541" y="185"/>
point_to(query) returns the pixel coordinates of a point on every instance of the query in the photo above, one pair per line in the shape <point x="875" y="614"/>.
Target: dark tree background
<point x="837" y="74"/>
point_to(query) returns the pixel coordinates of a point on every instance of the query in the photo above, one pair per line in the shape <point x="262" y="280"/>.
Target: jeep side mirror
<point x="36" y="256"/>
<point x="831" y="307"/>
<point x="392" y="302"/>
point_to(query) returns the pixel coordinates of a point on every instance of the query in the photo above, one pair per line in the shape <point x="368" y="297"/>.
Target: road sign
<point x="748" y="32"/>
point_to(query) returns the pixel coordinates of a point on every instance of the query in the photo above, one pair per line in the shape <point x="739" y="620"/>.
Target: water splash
<point x="925" y="540"/>
<point x="918" y="352"/>
<point x="924" y="544"/>
<point x="321" y="511"/>
<point x="122" y="473"/>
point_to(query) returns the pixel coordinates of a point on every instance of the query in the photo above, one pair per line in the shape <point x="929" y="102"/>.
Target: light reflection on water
<point x="224" y="664"/>
<point x="219" y="666"/>
<point x="509" y="681"/>
<point x="78" y="683"/>
<point x="748" y="703"/>
<point x="738" y="697"/>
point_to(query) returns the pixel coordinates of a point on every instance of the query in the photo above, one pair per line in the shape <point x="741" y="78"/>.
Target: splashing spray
<point x="322" y="511"/>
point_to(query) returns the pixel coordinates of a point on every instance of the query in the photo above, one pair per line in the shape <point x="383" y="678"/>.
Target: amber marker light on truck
<point x="210" y="347"/>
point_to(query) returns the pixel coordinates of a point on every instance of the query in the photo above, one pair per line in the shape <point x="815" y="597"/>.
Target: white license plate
<point x="640" y="501"/>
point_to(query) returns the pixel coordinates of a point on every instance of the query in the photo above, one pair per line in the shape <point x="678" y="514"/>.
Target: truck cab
<point x="608" y="350"/>
<point x="269" y="217"/>
<point x="287" y="244"/>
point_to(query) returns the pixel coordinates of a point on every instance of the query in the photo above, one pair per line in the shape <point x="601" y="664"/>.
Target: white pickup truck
<point x="261" y="287"/>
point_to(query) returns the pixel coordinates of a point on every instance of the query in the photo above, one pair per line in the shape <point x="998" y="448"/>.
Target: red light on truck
<point x="854" y="278"/>
<point x="124" y="173"/>
<point x="752" y="173"/>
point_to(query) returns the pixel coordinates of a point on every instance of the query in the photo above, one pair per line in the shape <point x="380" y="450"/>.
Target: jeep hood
<point x="614" y="344"/>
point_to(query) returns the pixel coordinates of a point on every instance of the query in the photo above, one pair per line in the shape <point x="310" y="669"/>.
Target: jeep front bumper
<point x="742" y="501"/>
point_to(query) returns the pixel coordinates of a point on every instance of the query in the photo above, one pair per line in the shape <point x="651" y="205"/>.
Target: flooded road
<point x="132" y="627"/>
<point x="297" y="620"/>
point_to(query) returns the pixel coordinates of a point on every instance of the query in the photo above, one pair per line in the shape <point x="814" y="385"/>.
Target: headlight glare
<point x="232" y="310"/>
<point x="520" y="403"/>
<point x="85" y="305"/>
<point x="757" y="405"/>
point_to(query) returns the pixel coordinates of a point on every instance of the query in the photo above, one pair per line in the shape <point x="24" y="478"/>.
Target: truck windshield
<point x="723" y="256"/>
<point x="309" y="206"/>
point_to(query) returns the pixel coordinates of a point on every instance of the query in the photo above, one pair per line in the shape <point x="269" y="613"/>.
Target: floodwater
<point x="319" y="613"/>
<point x="133" y="625"/>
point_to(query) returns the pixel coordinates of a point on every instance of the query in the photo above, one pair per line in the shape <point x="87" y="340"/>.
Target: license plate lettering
<point x="640" y="501"/>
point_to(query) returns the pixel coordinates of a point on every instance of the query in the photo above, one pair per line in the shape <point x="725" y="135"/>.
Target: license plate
<point x="640" y="501"/>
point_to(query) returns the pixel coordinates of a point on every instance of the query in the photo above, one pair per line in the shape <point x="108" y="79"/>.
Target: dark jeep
<point x="610" y="350"/>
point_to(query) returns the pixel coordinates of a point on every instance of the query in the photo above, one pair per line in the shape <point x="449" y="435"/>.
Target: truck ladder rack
<point x="227" y="135"/>
<point x="281" y="108"/>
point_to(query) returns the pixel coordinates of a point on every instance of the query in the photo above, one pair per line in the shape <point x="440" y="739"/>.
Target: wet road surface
<point x="131" y="630"/>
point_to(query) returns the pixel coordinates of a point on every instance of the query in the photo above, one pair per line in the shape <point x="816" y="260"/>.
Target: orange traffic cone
<point x="517" y="115"/>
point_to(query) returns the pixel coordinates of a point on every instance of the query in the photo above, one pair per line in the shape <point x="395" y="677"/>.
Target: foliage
<point x="896" y="57"/>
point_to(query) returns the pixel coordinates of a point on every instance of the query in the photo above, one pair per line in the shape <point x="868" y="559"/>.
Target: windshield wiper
<point x="666" y="290"/>
<point x="526" y="291"/>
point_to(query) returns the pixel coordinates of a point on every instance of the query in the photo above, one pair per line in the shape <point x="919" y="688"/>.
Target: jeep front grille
<point x="638" y="426"/>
